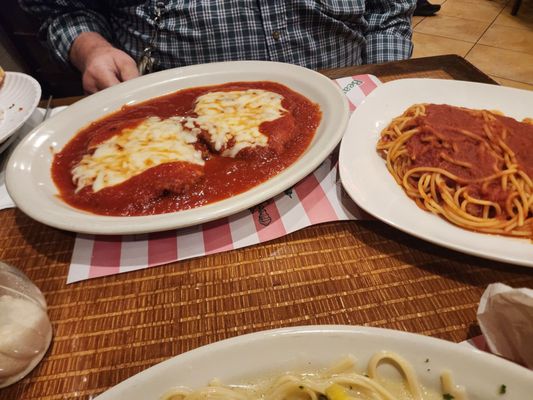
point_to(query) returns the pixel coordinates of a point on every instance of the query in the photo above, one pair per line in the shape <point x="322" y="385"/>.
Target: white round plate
<point x="28" y="170"/>
<point x="19" y="96"/>
<point x="366" y="179"/>
<point x="308" y="348"/>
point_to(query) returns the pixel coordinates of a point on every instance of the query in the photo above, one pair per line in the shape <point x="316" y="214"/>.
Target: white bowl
<point x="313" y="347"/>
<point x="19" y="96"/>
<point x="367" y="181"/>
<point x="31" y="187"/>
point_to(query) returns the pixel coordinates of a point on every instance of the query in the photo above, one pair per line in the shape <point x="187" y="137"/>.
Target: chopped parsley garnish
<point x="503" y="389"/>
<point x="447" y="396"/>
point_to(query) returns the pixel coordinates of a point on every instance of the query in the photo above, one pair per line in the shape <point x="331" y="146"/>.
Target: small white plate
<point x="309" y="348"/>
<point x="19" y="96"/>
<point x="369" y="183"/>
<point x="28" y="171"/>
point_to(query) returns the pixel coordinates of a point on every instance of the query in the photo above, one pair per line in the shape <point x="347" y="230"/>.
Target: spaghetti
<point x="472" y="167"/>
<point x="341" y="382"/>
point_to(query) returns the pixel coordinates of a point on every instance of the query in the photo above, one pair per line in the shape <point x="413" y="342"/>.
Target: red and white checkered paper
<point x="317" y="198"/>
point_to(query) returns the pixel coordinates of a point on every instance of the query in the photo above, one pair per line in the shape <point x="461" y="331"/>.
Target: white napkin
<point x="35" y="119"/>
<point x="505" y="316"/>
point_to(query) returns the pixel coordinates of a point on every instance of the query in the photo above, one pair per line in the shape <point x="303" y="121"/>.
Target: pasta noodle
<point x="341" y="382"/>
<point x="471" y="167"/>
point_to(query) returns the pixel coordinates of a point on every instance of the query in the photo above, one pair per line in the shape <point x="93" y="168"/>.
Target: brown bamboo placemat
<point x="361" y="273"/>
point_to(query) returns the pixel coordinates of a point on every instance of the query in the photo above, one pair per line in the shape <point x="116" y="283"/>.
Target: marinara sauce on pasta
<point x="472" y="167"/>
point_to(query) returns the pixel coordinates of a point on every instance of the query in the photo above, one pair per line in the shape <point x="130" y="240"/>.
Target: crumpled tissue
<point x="505" y="316"/>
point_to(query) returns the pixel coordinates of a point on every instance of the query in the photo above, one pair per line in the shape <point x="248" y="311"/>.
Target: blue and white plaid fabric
<point x="315" y="34"/>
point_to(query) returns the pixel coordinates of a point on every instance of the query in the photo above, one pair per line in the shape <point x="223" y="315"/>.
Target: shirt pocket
<point x="349" y="12"/>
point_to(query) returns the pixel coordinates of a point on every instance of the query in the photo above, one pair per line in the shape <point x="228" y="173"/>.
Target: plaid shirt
<point x="316" y="34"/>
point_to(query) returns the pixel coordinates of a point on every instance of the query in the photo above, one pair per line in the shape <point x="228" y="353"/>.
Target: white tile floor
<point x="485" y="33"/>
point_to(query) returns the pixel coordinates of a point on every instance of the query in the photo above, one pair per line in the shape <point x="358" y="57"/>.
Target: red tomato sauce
<point x="178" y="186"/>
<point x="448" y="122"/>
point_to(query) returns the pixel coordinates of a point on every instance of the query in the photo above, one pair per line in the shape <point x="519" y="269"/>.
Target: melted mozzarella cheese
<point x="231" y="119"/>
<point x="151" y="143"/>
<point x="236" y="116"/>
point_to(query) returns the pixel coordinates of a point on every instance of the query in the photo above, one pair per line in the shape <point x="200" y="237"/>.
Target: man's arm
<point x="389" y="30"/>
<point x="77" y="33"/>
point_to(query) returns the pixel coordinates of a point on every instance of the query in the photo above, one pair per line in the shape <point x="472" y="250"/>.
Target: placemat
<point x="363" y="273"/>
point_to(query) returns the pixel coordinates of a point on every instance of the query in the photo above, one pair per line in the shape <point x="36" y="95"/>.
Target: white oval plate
<point x="309" y="348"/>
<point x="19" y="96"/>
<point x="365" y="176"/>
<point x="28" y="171"/>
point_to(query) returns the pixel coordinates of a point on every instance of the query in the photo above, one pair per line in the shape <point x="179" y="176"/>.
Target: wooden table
<point x="357" y="273"/>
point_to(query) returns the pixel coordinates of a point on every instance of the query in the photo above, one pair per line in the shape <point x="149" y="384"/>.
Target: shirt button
<point x="276" y="35"/>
